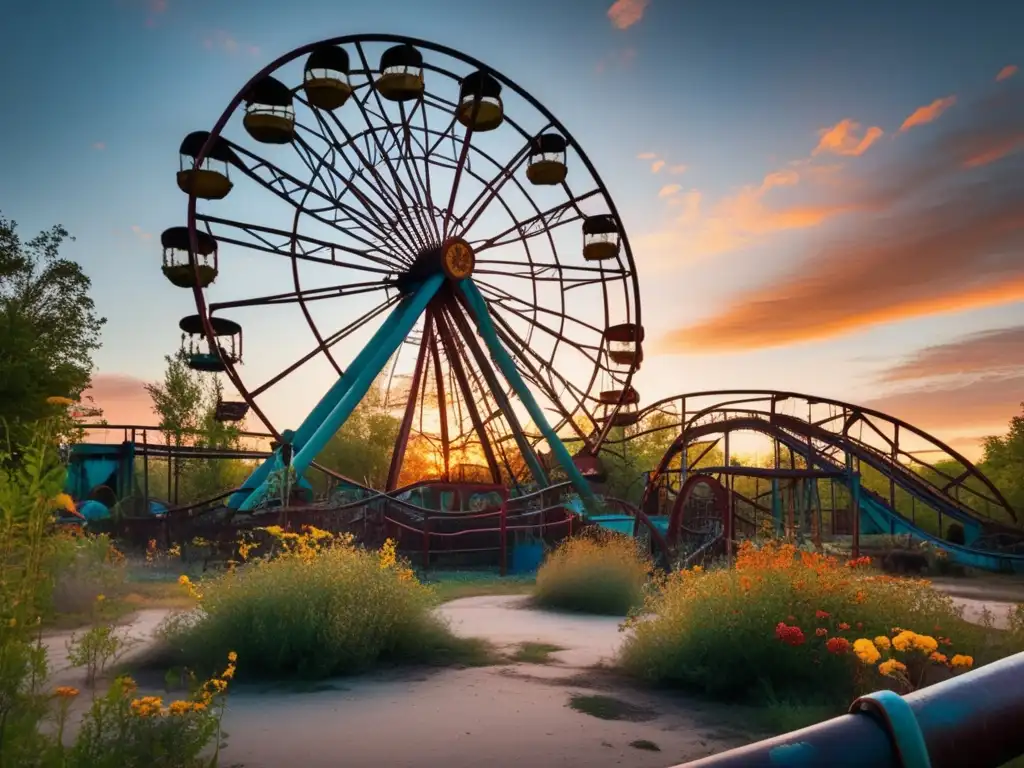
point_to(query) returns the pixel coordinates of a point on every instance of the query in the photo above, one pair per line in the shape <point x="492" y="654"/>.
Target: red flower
<point x="860" y="625"/>
<point x="790" y="635"/>
<point x="843" y="626"/>
<point x="821" y="614"/>
<point x="837" y="645"/>
<point x="821" y="631"/>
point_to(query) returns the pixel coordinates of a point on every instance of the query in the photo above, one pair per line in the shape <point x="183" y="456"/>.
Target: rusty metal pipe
<point x="975" y="719"/>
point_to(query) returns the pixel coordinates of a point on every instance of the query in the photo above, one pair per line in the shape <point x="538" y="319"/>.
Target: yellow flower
<point x="891" y="667"/>
<point x="232" y="657"/>
<point x="65" y="502"/>
<point x="866" y="651"/>
<point x="229" y="673"/>
<point x="904" y="640"/>
<point x="183" y="580"/>
<point x="180" y="707"/>
<point x="925" y="643"/>
<point x="100" y="598"/>
<point x="960" y="661"/>
<point x="57" y="400"/>
<point x="882" y="642"/>
<point x="65" y="692"/>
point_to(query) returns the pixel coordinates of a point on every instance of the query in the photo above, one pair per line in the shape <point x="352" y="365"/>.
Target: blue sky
<point x="774" y="205"/>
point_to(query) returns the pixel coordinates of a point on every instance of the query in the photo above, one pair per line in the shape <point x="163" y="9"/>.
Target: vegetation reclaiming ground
<point x="598" y="572"/>
<point x="787" y="627"/>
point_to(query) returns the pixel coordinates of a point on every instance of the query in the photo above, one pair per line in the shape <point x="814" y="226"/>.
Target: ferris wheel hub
<point x="457" y="259"/>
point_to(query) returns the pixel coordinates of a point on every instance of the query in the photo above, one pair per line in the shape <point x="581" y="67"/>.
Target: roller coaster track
<point x="991" y="544"/>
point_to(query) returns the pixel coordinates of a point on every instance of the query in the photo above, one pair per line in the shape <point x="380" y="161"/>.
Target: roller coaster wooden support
<point x="970" y="720"/>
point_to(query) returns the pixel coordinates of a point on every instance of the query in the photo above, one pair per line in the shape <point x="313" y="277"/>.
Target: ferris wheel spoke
<point x="388" y="217"/>
<point x="402" y="438"/>
<point x="420" y="188"/>
<point x="372" y="217"/>
<point x="492" y="188"/>
<point x="515" y="341"/>
<point x="310" y="294"/>
<point x="292" y="245"/>
<point x="540" y="224"/>
<point x="504" y="298"/>
<point x="542" y="273"/>
<point x="327" y="343"/>
<point x="285" y="186"/>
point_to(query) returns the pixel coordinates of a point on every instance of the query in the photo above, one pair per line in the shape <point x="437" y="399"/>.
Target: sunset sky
<point x="827" y="198"/>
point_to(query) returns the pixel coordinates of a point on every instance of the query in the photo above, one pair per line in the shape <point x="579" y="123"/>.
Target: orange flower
<point x="843" y="626"/>
<point x="821" y="631"/>
<point x="938" y="658"/>
<point x="819" y="614"/>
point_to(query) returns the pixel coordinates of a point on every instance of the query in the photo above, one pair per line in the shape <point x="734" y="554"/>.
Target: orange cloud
<point x="140" y="233"/>
<point x="933" y="240"/>
<point x="992" y="351"/>
<point x="928" y="113"/>
<point x="625" y="13"/>
<point x="675" y="170"/>
<point x="646" y="156"/>
<point x="977" y="404"/>
<point x="122" y="397"/>
<point x="842" y="139"/>
<point x="1007" y="72"/>
<point x="668" y="190"/>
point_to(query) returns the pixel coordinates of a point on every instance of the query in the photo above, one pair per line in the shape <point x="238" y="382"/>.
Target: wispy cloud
<point x="677" y="170"/>
<point x="1007" y="72"/>
<point x="669" y="189"/>
<point x="988" y="401"/>
<point x="928" y="113"/>
<point x="625" y="13"/>
<point x="122" y="397"/>
<point x="140" y="233"/>
<point x="646" y="156"/>
<point x="995" y="351"/>
<point x="99" y="146"/>
<point x="935" y="238"/>
<point x="618" y="59"/>
<point x="222" y="41"/>
<point x="844" y="138"/>
<point x="657" y="165"/>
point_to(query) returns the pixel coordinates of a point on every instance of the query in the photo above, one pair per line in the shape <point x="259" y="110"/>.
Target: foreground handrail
<point x="972" y="720"/>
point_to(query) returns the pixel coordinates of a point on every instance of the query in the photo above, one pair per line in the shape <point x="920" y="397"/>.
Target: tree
<point x="186" y="402"/>
<point x="1004" y="462"/>
<point x="49" y="328"/>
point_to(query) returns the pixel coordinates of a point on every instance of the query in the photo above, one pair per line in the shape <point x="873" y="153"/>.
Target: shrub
<point x="781" y="626"/>
<point x="597" y="572"/>
<point x="83" y="567"/>
<point x="316" y="606"/>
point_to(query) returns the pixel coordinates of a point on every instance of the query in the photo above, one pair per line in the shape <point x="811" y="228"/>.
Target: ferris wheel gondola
<point x="436" y="226"/>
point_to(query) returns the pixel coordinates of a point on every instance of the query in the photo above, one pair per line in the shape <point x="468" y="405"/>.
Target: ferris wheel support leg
<point x="508" y="368"/>
<point x="257" y="480"/>
<point x="377" y="353"/>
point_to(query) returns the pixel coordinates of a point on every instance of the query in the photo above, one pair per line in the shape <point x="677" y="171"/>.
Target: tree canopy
<point x="1004" y="462"/>
<point x="49" y="328"/>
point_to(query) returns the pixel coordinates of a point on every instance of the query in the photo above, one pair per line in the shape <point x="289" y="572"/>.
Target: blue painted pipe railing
<point x="974" y="720"/>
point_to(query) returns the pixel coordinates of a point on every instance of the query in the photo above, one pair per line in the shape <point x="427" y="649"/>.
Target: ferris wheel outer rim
<point x="358" y="38"/>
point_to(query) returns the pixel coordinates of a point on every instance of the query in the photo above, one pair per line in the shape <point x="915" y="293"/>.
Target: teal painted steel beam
<point x="508" y="367"/>
<point x="316" y="417"/>
<point x="367" y="365"/>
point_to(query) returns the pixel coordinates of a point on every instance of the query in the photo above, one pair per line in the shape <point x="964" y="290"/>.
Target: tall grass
<point x="597" y="572"/>
<point x="316" y="607"/>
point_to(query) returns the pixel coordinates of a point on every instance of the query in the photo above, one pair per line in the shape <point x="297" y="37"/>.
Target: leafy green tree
<point x="49" y="328"/>
<point x="1004" y="462"/>
<point x="186" y="404"/>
